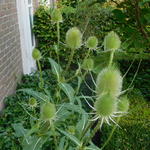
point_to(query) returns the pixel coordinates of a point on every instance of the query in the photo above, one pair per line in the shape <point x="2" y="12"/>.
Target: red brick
<point x="9" y="48"/>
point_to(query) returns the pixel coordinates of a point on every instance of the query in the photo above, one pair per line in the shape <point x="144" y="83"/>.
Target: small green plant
<point x="60" y="116"/>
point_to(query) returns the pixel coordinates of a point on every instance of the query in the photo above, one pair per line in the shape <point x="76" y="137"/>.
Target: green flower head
<point x="105" y="105"/>
<point x="88" y="64"/>
<point x="92" y="42"/>
<point x="109" y="81"/>
<point x="56" y="16"/>
<point x="36" y="54"/>
<point x="123" y="104"/>
<point x="74" y="38"/>
<point x="32" y="102"/>
<point x="112" y="41"/>
<point x="48" y="111"/>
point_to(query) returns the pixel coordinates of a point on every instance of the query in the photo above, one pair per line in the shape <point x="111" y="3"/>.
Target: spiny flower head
<point x="32" y="102"/>
<point x="48" y="111"/>
<point x="56" y="16"/>
<point x="105" y="108"/>
<point x="109" y="81"/>
<point x="105" y="105"/>
<point x="74" y="38"/>
<point x="71" y="129"/>
<point x="112" y="41"/>
<point x="36" y="54"/>
<point x="92" y="42"/>
<point x="88" y="64"/>
<point x="123" y="104"/>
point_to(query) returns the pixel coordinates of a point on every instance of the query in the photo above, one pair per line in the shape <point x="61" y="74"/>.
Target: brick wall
<point x="10" y="52"/>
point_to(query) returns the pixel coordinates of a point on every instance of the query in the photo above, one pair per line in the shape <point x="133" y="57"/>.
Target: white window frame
<point x="32" y="35"/>
<point x="29" y="65"/>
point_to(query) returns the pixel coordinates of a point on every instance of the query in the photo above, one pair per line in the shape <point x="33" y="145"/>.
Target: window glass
<point x="29" y="2"/>
<point x="31" y="25"/>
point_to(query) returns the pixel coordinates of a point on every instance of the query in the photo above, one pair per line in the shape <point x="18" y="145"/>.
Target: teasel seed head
<point x="74" y="38"/>
<point x="92" y="42"/>
<point x="88" y="64"/>
<point x="56" y="16"/>
<point x="109" y="81"/>
<point x="48" y="111"/>
<point x="32" y="102"/>
<point x="71" y="130"/>
<point x="123" y="104"/>
<point x="112" y="41"/>
<point x="105" y="105"/>
<point x="36" y="54"/>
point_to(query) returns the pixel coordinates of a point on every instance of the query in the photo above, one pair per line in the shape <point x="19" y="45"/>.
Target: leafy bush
<point x="94" y="20"/>
<point x="15" y="112"/>
<point x="141" y="81"/>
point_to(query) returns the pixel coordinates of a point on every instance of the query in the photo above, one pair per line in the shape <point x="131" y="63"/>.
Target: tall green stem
<point x="111" y="58"/>
<point x="85" y="73"/>
<point x="111" y="134"/>
<point x="87" y="55"/>
<point x="58" y="33"/>
<point x="70" y="60"/>
<point x="58" y="40"/>
<point x="40" y="70"/>
<point x="58" y="59"/>
<point x="54" y="134"/>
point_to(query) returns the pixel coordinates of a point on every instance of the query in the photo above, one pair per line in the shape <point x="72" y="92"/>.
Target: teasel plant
<point x="65" y="122"/>
<point x="56" y="18"/>
<point x="109" y="103"/>
<point x="36" y="54"/>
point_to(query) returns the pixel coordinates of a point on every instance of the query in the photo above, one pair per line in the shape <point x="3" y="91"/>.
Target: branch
<point x="138" y="15"/>
<point x="115" y="2"/>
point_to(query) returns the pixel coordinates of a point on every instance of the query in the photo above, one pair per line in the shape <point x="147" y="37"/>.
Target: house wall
<point x="10" y="49"/>
<point x="10" y="52"/>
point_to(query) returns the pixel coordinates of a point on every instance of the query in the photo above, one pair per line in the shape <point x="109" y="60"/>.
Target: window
<point x="30" y="9"/>
<point x="29" y="2"/>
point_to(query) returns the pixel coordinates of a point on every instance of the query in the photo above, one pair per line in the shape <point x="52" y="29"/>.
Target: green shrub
<point x="14" y="112"/>
<point x="135" y="127"/>
<point x="96" y="19"/>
